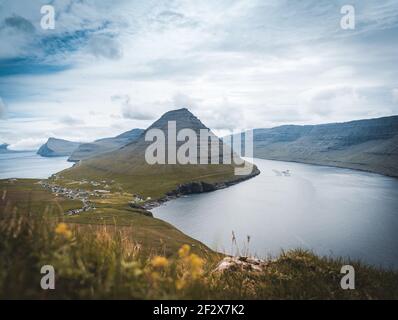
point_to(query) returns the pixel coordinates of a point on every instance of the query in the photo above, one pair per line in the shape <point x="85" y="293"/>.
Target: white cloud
<point x="2" y="108"/>
<point x="132" y="111"/>
<point x="327" y="100"/>
<point x="104" y="46"/>
<point x="395" y="95"/>
<point x="135" y="112"/>
<point x="227" y="117"/>
<point x="27" y="144"/>
<point x="181" y="100"/>
<point x="71" y="121"/>
<point x="240" y="64"/>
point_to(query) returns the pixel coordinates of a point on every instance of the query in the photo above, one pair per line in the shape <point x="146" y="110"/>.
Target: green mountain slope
<point x="130" y="171"/>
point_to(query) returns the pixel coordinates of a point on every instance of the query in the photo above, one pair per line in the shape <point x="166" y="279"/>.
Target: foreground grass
<point x="121" y="254"/>
<point x="104" y="262"/>
<point x="27" y="197"/>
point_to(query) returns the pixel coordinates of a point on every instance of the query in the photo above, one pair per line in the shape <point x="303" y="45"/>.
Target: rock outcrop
<point x="201" y="186"/>
<point x="195" y="187"/>
<point x="240" y="264"/>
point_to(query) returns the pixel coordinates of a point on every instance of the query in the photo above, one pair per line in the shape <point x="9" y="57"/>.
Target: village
<point x="84" y="195"/>
<point x="75" y="194"/>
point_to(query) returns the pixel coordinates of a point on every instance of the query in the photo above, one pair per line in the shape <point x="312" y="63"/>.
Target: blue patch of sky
<point x="27" y="66"/>
<point x="42" y="57"/>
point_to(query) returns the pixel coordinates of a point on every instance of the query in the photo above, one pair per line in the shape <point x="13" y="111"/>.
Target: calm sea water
<point x="30" y="165"/>
<point x="330" y="211"/>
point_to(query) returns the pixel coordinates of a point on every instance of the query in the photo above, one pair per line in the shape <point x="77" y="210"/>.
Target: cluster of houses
<point x="96" y="183"/>
<point x="139" y="202"/>
<point x="84" y="181"/>
<point x="137" y="199"/>
<point x="74" y="194"/>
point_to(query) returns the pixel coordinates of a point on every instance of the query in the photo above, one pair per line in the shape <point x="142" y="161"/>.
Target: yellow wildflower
<point x="129" y="265"/>
<point x="184" y="251"/>
<point x="159" y="262"/>
<point x="180" y="284"/>
<point x="196" y="261"/>
<point x="137" y="272"/>
<point x="196" y="265"/>
<point x="62" y="229"/>
<point x="155" y="276"/>
<point x="133" y="266"/>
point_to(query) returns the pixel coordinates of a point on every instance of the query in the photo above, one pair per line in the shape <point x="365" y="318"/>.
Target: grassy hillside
<point x="25" y="197"/>
<point x="120" y="254"/>
<point x="148" y="181"/>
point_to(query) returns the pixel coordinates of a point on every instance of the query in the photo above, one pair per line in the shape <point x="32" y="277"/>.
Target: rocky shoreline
<point x="195" y="187"/>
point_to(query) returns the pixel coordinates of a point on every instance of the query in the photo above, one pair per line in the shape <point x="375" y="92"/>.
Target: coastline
<point x="196" y="187"/>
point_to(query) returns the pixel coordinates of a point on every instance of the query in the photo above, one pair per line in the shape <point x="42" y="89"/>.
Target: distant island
<point x="57" y="148"/>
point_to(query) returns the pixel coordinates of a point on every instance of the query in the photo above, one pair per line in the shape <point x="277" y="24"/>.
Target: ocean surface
<point x="330" y="211"/>
<point x="30" y="165"/>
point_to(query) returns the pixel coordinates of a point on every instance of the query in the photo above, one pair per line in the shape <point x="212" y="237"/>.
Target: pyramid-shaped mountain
<point x="183" y="119"/>
<point x="131" y="171"/>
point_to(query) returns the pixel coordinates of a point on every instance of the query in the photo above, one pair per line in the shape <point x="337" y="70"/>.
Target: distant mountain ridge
<point x="370" y="144"/>
<point x="55" y="147"/>
<point x="92" y="149"/>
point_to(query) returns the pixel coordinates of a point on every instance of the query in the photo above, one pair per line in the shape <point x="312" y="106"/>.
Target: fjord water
<point x="331" y="211"/>
<point x="28" y="164"/>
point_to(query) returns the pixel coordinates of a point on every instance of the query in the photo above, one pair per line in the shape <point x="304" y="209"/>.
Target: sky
<point x="110" y="66"/>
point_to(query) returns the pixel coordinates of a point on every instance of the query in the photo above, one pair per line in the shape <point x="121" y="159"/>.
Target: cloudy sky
<point x="110" y="66"/>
